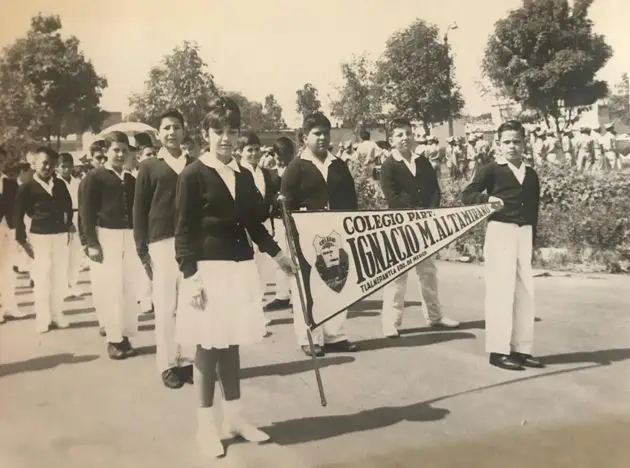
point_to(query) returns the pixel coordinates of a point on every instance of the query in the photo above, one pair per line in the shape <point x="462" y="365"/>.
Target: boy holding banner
<point x="408" y="181"/>
<point x="514" y="189"/>
<point x="318" y="180"/>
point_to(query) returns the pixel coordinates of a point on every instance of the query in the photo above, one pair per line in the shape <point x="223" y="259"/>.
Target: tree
<point x="181" y="81"/>
<point x="358" y="102"/>
<point x="416" y="76"/>
<point x="545" y="56"/>
<point x="252" y="117"/>
<point x="272" y="113"/>
<point x="307" y="100"/>
<point x="619" y="101"/>
<point x="47" y="86"/>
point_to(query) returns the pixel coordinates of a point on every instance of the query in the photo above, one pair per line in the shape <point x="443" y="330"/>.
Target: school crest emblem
<point x="332" y="260"/>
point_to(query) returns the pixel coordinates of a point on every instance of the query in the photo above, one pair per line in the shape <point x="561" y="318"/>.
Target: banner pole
<point x="286" y="217"/>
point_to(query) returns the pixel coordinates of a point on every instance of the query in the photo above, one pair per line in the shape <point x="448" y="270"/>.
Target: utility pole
<point x="451" y="27"/>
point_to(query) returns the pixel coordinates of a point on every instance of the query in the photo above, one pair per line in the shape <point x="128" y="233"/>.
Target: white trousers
<point x="509" y="288"/>
<point x="75" y="258"/>
<point x="113" y="283"/>
<point x="166" y="286"/>
<point x="394" y="297"/>
<point x="330" y="332"/>
<point x="50" y="273"/>
<point x="283" y="281"/>
<point x="8" y="280"/>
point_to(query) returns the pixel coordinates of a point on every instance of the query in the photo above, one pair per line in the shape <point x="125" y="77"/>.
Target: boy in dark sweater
<point x="410" y="181"/>
<point x="284" y="151"/>
<point x="154" y="231"/>
<point x="318" y="180"/>
<point x="514" y="189"/>
<point x="105" y="206"/>
<point x="47" y="202"/>
<point x="8" y="247"/>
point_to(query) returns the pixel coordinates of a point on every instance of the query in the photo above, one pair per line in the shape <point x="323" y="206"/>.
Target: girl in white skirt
<point x="215" y="211"/>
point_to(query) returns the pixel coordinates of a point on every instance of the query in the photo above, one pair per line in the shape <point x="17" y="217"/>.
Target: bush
<point x="586" y="216"/>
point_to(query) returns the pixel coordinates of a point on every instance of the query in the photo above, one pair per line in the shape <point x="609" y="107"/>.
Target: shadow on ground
<point x="426" y="339"/>
<point x="296" y="431"/>
<point x="43" y="363"/>
<point x="293" y="367"/>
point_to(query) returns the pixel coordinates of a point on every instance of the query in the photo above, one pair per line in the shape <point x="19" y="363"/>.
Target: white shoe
<point x="235" y="425"/>
<point x="445" y="322"/>
<point x="207" y="433"/>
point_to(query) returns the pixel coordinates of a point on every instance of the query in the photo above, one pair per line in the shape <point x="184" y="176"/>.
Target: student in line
<point x="154" y="233"/>
<point x="46" y="200"/>
<point x="217" y="212"/>
<point x="318" y="180"/>
<point x="514" y="190"/>
<point x="105" y="205"/>
<point x="65" y="171"/>
<point x="284" y="151"/>
<point x="409" y="181"/>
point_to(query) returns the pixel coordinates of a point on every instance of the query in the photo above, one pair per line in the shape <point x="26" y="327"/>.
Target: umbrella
<point x="130" y="129"/>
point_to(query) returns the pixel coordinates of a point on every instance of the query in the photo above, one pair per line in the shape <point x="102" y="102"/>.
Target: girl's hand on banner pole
<point x="198" y="298"/>
<point x="285" y="263"/>
<point x="495" y="202"/>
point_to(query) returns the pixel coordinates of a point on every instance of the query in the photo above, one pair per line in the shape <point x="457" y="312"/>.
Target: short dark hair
<point x="66" y="158"/>
<point x="284" y="149"/>
<point x="115" y="137"/>
<point x="96" y="146"/>
<point x="364" y="134"/>
<point x="315" y="119"/>
<point x="173" y="114"/>
<point x="48" y="152"/>
<point x="398" y="122"/>
<point x="511" y="125"/>
<point x="222" y="112"/>
<point x="251" y="139"/>
<point x="384" y="145"/>
<point x="143" y="140"/>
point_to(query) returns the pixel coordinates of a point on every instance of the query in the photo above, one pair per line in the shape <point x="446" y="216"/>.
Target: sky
<point x="276" y="46"/>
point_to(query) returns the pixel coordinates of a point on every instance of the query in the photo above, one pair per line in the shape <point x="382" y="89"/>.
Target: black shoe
<point x="171" y="378"/>
<point x="527" y="360"/>
<point x="344" y="346"/>
<point x="317" y="349"/>
<point x="116" y="351"/>
<point x="186" y="374"/>
<point x="277" y="304"/>
<point x="504" y="361"/>
<point x="101" y="331"/>
<point x="32" y="284"/>
<point x="127" y="348"/>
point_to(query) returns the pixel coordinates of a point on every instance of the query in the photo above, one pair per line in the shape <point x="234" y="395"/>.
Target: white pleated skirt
<point x="233" y="313"/>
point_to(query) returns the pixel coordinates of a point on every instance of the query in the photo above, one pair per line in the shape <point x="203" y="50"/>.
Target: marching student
<point x="318" y="180"/>
<point x="251" y="157"/>
<point x="143" y="150"/>
<point x="154" y="233"/>
<point x="105" y="205"/>
<point x="514" y="190"/>
<point x="75" y="251"/>
<point x="284" y="151"/>
<point x="8" y="250"/>
<point x="216" y="213"/>
<point x="47" y="202"/>
<point x="409" y="181"/>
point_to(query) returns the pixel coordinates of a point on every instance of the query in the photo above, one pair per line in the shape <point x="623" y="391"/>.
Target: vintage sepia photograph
<point x="315" y="234"/>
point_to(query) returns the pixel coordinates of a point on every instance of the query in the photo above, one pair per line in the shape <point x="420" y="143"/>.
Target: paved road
<point x="429" y="399"/>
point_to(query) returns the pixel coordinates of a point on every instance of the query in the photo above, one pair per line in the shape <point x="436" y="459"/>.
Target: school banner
<point x="346" y="256"/>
